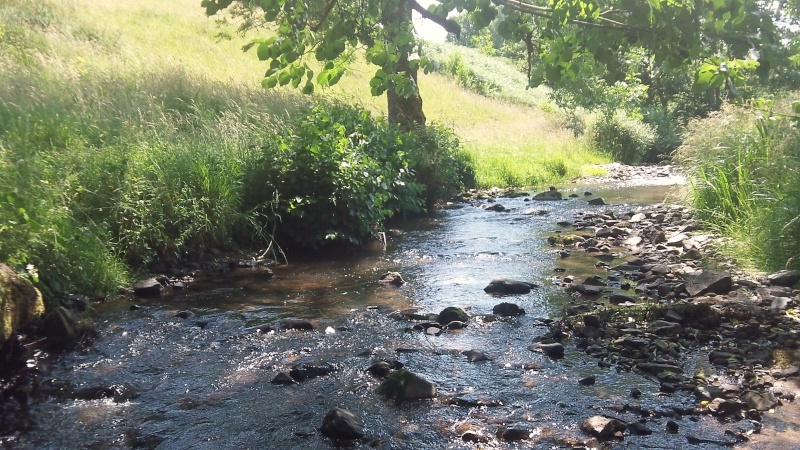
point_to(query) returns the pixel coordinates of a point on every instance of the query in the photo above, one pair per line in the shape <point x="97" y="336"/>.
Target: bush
<point x="667" y="133"/>
<point x="744" y="183"/>
<point x="625" y="138"/>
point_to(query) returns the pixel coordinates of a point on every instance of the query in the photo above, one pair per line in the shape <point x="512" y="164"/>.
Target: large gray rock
<point x="508" y="309"/>
<point x="404" y="385"/>
<point x="708" y="281"/>
<point x="452" y="313"/>
<point x="504" y="286"/>
<point x="784" y="278"/>
<point x="148" y="288"/>
<point x="20" y="303"/>
<point x="551" y="194"/>
<point x="341" y="424"/>
<point x="602" y="427"/>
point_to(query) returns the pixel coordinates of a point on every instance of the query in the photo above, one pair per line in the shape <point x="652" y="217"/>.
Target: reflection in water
<point x="208" y="387"/>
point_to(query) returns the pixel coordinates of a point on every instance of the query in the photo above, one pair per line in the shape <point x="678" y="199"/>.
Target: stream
<point x="204" y="382"/>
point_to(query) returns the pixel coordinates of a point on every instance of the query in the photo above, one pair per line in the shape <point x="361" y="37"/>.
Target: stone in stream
<point x="305" y="371"/>
<point x="587" y="381"/>
<point x="296" y="324"/>
<point x="603" y="427"/>
<point x="341" y="424"/>
<point x="618" y="299"/>
<point x="404" y="385"/>
<point x="382" y="368"/>
<point x="759" y="401"/>
<point x="148" y="288"/>
<point x="553" y="350"/>
<point x="63" y="330"/>
<point x="20" y="303"/>
<point x="507" y="286"/>
<point x="283" y="378"/>
<point x="597" y="201"/>
<point x="513" y="434"/>
<point x="550" y="194"/>
<point x="392" y="278"/>
<point x="708" y="281"/>
<point x="475" y="355"/>
<point x="452" y="313"/>
<point x="639" y="429"/>
<point x="508" y="309"/>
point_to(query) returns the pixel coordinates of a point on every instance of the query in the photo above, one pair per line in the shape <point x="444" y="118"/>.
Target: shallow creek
<point x="209" y="387"/>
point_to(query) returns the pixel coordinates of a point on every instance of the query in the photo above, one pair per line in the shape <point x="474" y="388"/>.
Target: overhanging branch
<point x="450" y="27"/>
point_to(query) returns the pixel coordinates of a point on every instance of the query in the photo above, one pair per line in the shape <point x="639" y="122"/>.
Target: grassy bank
<point x="743" y="166"/>
<point x="129" y="134"/>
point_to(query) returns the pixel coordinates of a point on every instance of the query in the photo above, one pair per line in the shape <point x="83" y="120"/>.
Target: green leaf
<point x="284" y="78"/>
<point x="269" y="82"/>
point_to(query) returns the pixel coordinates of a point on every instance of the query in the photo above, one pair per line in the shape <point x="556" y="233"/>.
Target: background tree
<point x="568" y="38"/>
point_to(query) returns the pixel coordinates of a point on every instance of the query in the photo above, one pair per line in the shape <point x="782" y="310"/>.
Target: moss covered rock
<point x="404" y="385"/>
<point x="20" y="302"/>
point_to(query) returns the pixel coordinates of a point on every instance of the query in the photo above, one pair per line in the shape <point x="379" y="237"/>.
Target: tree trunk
<point x="406" y="112"/>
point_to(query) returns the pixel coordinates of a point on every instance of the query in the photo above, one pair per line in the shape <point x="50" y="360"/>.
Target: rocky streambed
<point x="579" y="321"/>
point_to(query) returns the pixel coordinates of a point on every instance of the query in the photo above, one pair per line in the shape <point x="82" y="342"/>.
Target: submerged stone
<point x="405" y="385"/>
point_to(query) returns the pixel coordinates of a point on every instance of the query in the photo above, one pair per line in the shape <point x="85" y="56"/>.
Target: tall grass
<point x="127" y="134"/>
<point x="743" y="171"/>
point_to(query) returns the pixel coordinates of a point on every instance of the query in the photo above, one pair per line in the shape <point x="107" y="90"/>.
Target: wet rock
<point x="20" y="303"/>
<point x="382" y="368"/>
<point x="636" y="393"/>
<point x="696" y="440"/>
<point x="602" y="427"/>
<point x="597" y="201"/>
<point x="760" y="401"/>
<point x="553" y="350"/>
<point x="303" y="371"/>
<point x="404" y="385"/>
<point x="672" y="427"/>
<point x="708" y="281"/>
<point x="183" y="314"/>
<point x="709" y="392"/>
<point x="507" y="309"/>
<point x="724" y="407"/>
<point x="119" y="393"/>
<point x="513" y="434"/>
<point x="456" y="325"/>
<point x="475" y="437"/>
<point x="474" y="401"/>
<point x="587" y="289"/>
<point x="341" y="424"/>
<point x="410" y="314"/>
<point x="475" y="355"/>
<point x="551" y="194"/>
<point x="497" y="207"/>
<point x="664" y="328"/>
<point x="639" y="429"/>
<point x="593" y="321"/>
<point x="507" y="286"/>
<point x="587" y="381"/>
<point x="63" y="330"/>
<point x="148" y="288"/>
<point x="296" y="324"/>
<point x="452" y="313"/>
<point x="283" y="378"/>
<point x="656" y="368"/>
<point x="392" y="278"/>
<point x="617" y="299"/>
<point x="786" y="278"/>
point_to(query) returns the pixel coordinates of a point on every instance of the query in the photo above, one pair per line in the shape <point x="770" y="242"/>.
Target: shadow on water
<point x="204" y="382"/>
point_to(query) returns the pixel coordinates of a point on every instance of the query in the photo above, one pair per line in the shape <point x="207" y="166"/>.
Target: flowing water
<point x="203" y="382"/>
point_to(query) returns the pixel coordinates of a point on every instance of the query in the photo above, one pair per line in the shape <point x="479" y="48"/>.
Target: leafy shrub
<point x="439" y="163"/>
<point x="625" y="138"/>
<point x="667" y="133"/>
<point x="339" y="176"/>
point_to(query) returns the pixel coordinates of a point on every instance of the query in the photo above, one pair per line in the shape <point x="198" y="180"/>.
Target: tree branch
<point x="450" y="27"/>
<point x="325" y="13"/>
